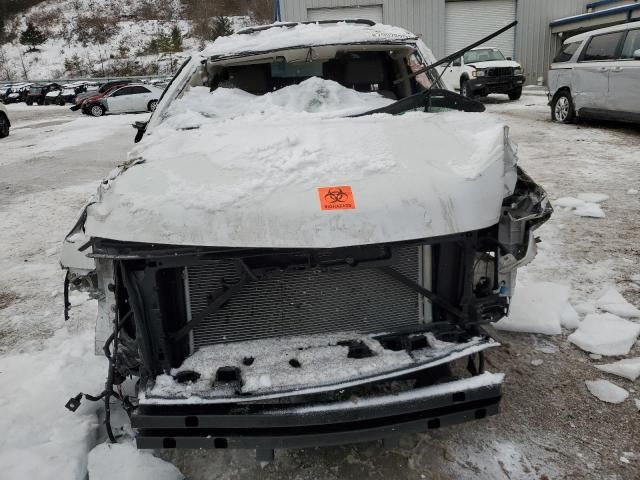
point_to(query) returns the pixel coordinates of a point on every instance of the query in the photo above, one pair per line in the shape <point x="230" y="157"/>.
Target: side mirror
<point x="141" y="127"/>
<point x="636" y="54"/>
<point x="509" y="58"/>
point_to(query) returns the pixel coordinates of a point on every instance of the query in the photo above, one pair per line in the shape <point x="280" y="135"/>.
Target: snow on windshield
<point x="313" y="96"/>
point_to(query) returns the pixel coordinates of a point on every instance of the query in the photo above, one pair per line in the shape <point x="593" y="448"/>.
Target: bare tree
<point x="24" y="67"/>
<point x="5" y="67"/>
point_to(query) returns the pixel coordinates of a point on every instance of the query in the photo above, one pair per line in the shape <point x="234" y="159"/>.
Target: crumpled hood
<point x="301" y="180"/>
<point x="495" y="64"/>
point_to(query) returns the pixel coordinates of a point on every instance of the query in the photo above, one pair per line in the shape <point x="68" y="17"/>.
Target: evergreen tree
<point x="222" y="27"/>
<point x="32" y="37"/>
<point x="176" y="39"/>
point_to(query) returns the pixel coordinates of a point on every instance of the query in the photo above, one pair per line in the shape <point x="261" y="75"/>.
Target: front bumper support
<point x="267" y="427"/>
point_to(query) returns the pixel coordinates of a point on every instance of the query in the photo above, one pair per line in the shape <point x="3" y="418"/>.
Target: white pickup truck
<point x="482" y="71"/>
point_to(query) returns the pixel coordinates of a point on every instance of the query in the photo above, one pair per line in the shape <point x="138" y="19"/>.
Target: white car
<point x="597" y="75"/>
<point x="128" y="99"/>
<point x="5" y="124"/>
<point x="482" y="71"/>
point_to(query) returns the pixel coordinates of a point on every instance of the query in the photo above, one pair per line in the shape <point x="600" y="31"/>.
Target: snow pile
<point x="627" y="368"/>
<point x="613" y="302"/>
<point x="314" y="95"/>
<point x="122" y="461"/>
<point x="586" y="205"/>
<point x="539" y="308"/>
<point x="305" y="35"/>
<point x="40" y="438"/>
<point x="607" y="391"/>
<point x="605" y="334"/>
<point x="249" y="169"/>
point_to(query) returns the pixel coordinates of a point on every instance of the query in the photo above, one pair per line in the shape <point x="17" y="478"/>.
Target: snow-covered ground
<point x="560" y="417"/>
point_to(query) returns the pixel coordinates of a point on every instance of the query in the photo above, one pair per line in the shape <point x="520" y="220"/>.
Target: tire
<point x="562" y="109"/>
<point x="515" y="94"/>
<point x="465" y="90"/>
<point x="60" y="101"/>
<point x="29" y="102"/>
<point x="96" y="110"/>
<point x="4" y="126"/>
<point x="152" y="105"/>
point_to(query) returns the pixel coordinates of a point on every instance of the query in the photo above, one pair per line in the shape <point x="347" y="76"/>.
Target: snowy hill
<point x="100" y="38"/>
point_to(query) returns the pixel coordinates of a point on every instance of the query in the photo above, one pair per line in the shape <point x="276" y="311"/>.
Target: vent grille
<point x="500" y="72"/>
<point x="306" y="302"/>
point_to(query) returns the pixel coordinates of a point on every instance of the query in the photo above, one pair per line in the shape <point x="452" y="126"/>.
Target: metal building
<point x="447" y="25"/>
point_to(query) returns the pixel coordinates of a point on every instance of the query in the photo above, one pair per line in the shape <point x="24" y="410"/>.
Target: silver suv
<point x="597" y="75"/>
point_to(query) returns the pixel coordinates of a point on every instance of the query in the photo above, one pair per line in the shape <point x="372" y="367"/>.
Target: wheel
<point x="41" y="101"/>
<point x="29" y="102"/>
<point x="60" y="101"/>
<point x="4" y="126"/>
<point x="515" y="94"/>
<point x="152" y="105"/>
<point x="562" y="109"/>
<point x="97" y="110"/>
<point x="465" y="90"/>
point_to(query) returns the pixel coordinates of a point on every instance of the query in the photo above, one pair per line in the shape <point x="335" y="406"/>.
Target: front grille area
<point x="500" y="72"/>
<point x="305" y="302"/>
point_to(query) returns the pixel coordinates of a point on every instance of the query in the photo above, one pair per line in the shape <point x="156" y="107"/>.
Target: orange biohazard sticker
<point x="336" y="198"/>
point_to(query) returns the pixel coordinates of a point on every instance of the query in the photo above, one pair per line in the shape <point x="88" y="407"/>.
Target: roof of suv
<point x="614" y="28"/>
<point x="294" y="35"/>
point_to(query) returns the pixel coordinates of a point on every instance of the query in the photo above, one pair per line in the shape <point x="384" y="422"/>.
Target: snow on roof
<point x="306" y="34"/>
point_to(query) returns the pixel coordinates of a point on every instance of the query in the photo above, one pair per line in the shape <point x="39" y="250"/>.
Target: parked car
<point x="597" y="75"/>
<point x="53" y="96"/>
<point x="304" y="245"/>
<point x="482" y="71"/>
<point x="5" y="124"/>
<point x="38" y="93"/>
<point x="70" y="92"/>
<point x="101" y="91"/>
<point x="14" y="93"/>
<point x="126" y="99"/>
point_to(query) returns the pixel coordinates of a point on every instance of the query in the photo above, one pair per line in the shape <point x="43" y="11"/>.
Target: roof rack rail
<point x="260" y="28"/>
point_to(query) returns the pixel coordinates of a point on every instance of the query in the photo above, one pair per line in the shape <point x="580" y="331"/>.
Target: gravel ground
<point x="551" y="426"/>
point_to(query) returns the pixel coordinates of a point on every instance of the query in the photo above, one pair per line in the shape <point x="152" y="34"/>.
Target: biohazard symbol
<point x="336" y="198"/>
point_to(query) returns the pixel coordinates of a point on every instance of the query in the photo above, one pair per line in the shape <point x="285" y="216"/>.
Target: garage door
<point x="372" y="12"/>
<point x="469" y="21"/>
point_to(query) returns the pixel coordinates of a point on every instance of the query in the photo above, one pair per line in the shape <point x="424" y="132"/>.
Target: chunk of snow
<point x="593" y="197"/>
<point x="635" y="278"/>
<point x="591" y="210"/>
<point x="585" y="308"/>
<point x="568" y="202"/>
<point x="613" y="302"/>
<point x="537" y="362"/>
<point x="627" y="368"/>
<point x="632" y="191"/>
<point x="607" y="391"/>
<point x="595" y="356"/>
<point x="124" y="462"/>
<point x="536" y="308"/>
<point x="605" y="334"/>
<point x="569" y="317"/>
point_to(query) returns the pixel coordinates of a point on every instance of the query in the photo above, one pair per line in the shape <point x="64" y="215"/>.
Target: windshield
<point x="483" y="55"/>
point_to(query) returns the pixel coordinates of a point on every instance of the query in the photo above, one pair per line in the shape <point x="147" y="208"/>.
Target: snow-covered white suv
<point x="5" y="124"/>
<point x="304" y="245"/>
<point x="482" y="71"/>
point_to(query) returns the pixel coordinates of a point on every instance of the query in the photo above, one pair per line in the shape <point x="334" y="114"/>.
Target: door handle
<point x="603" y="69"/>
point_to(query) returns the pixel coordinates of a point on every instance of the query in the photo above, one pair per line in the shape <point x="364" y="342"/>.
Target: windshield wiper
<point x="432" y="98"/>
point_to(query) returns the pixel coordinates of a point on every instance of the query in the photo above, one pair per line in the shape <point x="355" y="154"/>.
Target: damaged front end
<point x="278" y="348"/>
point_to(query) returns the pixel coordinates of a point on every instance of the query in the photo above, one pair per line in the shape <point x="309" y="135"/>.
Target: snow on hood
<point x="231" y="169"/>
<point x="312" y="34"/>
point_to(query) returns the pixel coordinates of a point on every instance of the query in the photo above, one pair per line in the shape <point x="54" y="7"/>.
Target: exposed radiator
<point x="307" y="302"/>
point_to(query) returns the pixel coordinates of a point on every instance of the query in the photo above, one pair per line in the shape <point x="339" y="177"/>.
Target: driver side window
<point x="457" y="62"/>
